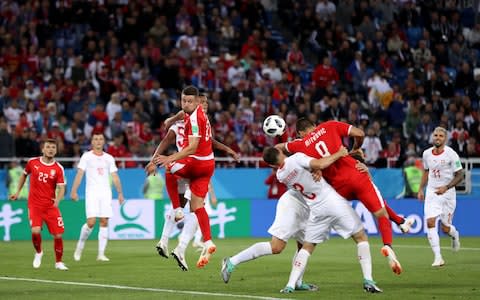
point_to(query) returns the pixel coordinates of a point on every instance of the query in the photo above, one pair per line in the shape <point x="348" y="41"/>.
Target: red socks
<point x="37" y="242"/>
<point x="172" y="189"/>
<point x="204" y="223"/>
<point x="393" y="215"/>
<point x="385" y="228"/>
<point x="58" y="246"/>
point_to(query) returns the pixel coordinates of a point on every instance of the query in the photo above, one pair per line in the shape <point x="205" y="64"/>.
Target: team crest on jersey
<point x="52" y="173"/>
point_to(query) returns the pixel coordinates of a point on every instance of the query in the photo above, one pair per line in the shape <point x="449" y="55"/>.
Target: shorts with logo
<point x="199" y="172"/>
<point x="442" y="206"/>
<point x="99" y="205"/>
<point x="50" y="215"/>
<point x="290" y="218"/>
<point x="335" y="214"/>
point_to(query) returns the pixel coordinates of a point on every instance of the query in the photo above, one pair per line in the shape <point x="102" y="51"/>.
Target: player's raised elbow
<point x="356" y="132"/>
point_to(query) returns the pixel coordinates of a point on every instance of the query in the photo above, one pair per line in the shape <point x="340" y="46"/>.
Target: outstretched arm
<point x="177" y="117"/>
<point x="325" y="162"/>
<point x="21" y="182"/>
<point x="358" y="135"/>
<point x="189" y="150"/>
<point x="423" y="183"/>
<point x="222" y="147"/>
<point x="76" y="184"/>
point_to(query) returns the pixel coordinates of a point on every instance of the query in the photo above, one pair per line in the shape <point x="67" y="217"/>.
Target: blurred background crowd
<point x="396" y="69"/>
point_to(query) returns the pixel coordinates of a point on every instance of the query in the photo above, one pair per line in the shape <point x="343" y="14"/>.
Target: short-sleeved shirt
<point x="97" y="170"/>
<point x="179" y="129"/>
<point x="198" y="125"/>
<point x="44" y="179"/>
<point x="325" y="140"/>
<point x="442" y="167"/>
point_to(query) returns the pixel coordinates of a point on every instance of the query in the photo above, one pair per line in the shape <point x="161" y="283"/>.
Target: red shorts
<point x="362" y="188"/>
<point x="50" y="215"/>
<point x="199" y="172"/>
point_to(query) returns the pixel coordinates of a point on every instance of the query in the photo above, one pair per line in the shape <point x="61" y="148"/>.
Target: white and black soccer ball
<point x="274" y="125"/>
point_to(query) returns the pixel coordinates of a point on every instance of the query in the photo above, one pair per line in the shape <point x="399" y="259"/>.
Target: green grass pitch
<point x="333" y="267"/>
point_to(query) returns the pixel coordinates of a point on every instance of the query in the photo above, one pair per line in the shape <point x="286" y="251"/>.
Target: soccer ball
<point x="274" y="125"/>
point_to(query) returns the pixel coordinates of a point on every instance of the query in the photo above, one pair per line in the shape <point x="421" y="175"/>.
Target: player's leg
<point x="403" y="223"/>
<point x="171" y="182"/>
<point x="300" y="285"/>
<point x="446" y="219"/>
<point x="91" y="212"/>
<point x="365" y="260"/>
<point x="35" y="216"/>
<point x="102" y="239"/>
<point x="56" y="228"/>
<point x="432" y="210"/>
<point x="298" y="268"/>
<point x="189" y="228"/>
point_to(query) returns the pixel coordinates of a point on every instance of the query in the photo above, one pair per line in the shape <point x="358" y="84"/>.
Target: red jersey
<point x="198" y="125"/>
<point x="44" y="179"/>
<point x="322" y="142"/>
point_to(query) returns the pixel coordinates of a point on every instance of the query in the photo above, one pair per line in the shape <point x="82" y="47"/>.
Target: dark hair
<point x="190" y="91"/>
<point x="303" y="124"/>
<point x="50" y="141"/>
<point x="270" y="155"/>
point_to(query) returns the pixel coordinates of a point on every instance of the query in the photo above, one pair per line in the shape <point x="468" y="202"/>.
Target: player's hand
<point x="421" y="195"/>
<point x="358" y="154"/>
<point x="361" y="167"/>
<point x="169" y="122"/>
<point x="441" y="190"/>
<point x="214" y="201"/>
<point x="343" y="151"/>
<point x="234" y="155"/>
<point x="316" y="174"/>
<point x="13" y="197"/>
<point x="74" y="196"/>
<point x="163" y="160"/>
<point x="151" y="169"/>
<point x="56" y="202"/>
<point x="121" y="199"/>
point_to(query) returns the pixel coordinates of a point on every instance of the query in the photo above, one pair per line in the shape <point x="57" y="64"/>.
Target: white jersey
<point x="441" y="167"/>
<point x="97" y="170"/>
<point x="179" y="129"/>
<point x="295" y="174"/>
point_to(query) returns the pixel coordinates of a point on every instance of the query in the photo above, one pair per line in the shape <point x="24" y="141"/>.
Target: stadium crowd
<point x="396" y="69"/>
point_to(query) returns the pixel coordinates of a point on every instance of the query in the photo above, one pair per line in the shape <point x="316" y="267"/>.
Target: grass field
<point x="333" y="267"/>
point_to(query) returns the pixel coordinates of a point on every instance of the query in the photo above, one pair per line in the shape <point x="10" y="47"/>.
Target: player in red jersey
<point x="345" y="178"/>
<point x="196" y="163"/>
<point x="46" y="176"/>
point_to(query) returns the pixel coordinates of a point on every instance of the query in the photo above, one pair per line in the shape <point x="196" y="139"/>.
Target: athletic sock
<point x="434" y="241"/>
<point x="204" y="223"/>
<point x="168" y="226"/>
<point x="37" y="242"/>
<point x="58" y="246"/>
<point x="84" y="234"/>
<point x="393" y="215"/>
<point x="254" y="251"/>
<point x="102" y="240"/>
<point x="365" y="259"/>
<point x="298" y="267"/>
<point x="188" y="231"/>
<point x="171" y="182"/>
<point x="385" y="228"/>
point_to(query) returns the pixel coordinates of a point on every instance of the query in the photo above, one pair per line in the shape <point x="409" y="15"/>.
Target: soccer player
<point x="195" y="162"/>
<point x="175" y="135"/>
<point x="345" y="178"/>
<point x="98" y="167"/>
<point x="291" y="219"/>
<point x="443" y="171"/>
<point x="47" y="188"/>
<point x="328" y="210"/>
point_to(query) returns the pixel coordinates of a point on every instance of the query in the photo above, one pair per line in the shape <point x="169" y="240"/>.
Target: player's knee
<point x="104" y="222"/>
<point x="277" y="246"/>
<point x="36" y="230"/>
<point x="57" y="236"/>
<point x="91" y="222"/>
<point x="445" y="229"/>
<point x="360" y="236"/>
<point x="431" y="223"/>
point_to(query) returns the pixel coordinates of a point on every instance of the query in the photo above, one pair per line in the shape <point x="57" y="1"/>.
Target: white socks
<point x="84" y="234"/>
<point x="254" y="251"/>
<point x="365" y="259"/>
<point x="298" y="267"/>
<point x="102" y="240"/>
<point x="453" y="231"/>
<point x="434" y="240"/>
<point x="168" y="226"/>
<point x="189" y="228"/>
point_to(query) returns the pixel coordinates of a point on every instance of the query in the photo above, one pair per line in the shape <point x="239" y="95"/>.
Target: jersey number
<point x="322" y="149"/>
<point x="42" y="177"/>
<point x="301" y="189"/>
<point x="436" y="173"/>
<point x="60" y="222"/>
<point x="208" y="131"/>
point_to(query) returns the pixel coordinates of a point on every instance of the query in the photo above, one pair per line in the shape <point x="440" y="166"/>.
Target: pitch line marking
<point x="134" y="288"/>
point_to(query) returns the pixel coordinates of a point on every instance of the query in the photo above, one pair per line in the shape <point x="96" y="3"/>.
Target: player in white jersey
<point x="98" y="167"/>
<point x="328" y="210"/>
<point x="300" y="215"/>
<point x="443" y="171"/>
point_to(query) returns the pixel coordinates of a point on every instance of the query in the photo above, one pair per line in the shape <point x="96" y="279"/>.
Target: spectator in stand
<point x="372" y="147"/>
<point x="324" y="75"/>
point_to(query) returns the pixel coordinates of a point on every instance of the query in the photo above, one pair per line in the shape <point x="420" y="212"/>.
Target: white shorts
<point x="99" y="206"/>
<point x="291" y="217"/>
<point x="442" y="206"/>
<point x="183" y="185"/>
<point x="206" y="201"/>
<point x="337" y="214"/>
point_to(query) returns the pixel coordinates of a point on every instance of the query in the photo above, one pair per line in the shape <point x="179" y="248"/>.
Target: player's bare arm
<point x="222" y="147"/>
<point x="21" y="182"/>
<point x="177" y="117"/>
<point x="193" y="141"/>
<point x="325" y="162"/>
<point x="59" y="195"/>
<point x="281" y="147"/>
<point x="456" y="180"/>
<point x="76" y="184"/>
<point x="213" y="196"/>
<point x="118" y="187"/>
<point x="169" y="139"/>
<point x="358" y="135"/>
<point x="423" y="183"/>
<point x="316" y="174"/>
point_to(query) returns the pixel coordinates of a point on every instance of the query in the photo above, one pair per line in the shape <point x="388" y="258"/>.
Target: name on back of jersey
<point x="315" y="136"/>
